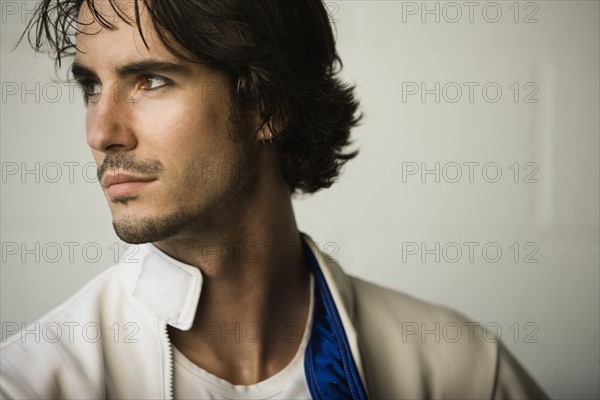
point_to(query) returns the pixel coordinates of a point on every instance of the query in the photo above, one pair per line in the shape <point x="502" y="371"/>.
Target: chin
<point x="136" y="229"/>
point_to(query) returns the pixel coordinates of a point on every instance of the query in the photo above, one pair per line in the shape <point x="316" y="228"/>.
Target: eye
<point x="90" y="89"/>
<point x="152" y="82"/>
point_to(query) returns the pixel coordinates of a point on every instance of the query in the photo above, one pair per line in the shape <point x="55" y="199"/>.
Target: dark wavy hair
<point x="279" y="54"/>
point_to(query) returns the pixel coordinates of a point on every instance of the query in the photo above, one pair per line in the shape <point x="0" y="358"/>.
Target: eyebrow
<point x="80" y="71"/>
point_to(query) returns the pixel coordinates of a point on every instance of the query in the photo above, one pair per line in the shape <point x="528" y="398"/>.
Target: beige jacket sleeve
<point x="411" y="349"/>
<point x="512" y="381"/>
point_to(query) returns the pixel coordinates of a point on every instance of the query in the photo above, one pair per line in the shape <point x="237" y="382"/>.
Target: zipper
<point x="169" y="391"/>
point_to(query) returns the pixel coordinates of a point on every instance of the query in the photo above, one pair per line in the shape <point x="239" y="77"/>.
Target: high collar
<point x="169" y="288"/>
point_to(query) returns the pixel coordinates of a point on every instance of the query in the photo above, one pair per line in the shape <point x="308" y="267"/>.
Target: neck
<point x="255" y="277"/>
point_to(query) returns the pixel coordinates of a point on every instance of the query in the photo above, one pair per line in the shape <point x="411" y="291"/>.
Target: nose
<point x="109" y="122"/>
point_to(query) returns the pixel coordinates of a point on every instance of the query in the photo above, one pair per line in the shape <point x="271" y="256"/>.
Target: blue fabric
<point x="328" y="363"/>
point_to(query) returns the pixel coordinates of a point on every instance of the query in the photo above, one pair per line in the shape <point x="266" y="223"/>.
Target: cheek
<point x="182" y="136"/>
<point x="175" y="119"/>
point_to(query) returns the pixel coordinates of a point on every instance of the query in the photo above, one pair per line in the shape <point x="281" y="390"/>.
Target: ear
<point x="268" y="131"/>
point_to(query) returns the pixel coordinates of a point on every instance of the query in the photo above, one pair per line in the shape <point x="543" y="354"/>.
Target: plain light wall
<point x="534" y="70"/>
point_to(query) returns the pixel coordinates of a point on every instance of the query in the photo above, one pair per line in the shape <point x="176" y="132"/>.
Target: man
<point x="204" y="117"/>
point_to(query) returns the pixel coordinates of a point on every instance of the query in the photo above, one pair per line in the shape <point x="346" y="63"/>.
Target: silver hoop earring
<point x="262" y="136"/>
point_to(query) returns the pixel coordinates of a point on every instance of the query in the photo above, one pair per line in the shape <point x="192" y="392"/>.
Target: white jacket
<point x="110" y="339"/>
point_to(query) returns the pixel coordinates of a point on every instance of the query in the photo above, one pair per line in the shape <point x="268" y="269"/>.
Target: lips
<point x="122" y="183"/>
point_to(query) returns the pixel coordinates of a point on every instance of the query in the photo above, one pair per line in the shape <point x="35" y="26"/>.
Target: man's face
<point x="173" y="152"/>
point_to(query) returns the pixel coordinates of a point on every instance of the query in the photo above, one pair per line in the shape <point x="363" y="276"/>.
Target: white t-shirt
<point x="193" y="382"/>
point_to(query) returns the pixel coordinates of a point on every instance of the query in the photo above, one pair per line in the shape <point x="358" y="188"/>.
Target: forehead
<point x="109" y="32"/>
<point x="110" y="11"/>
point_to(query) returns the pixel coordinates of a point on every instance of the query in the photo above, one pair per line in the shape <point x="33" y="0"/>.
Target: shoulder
<point x="420" y="326"/>
<point x="85" y="299"/>
<point x="395" y="305"/>
<point x="67" y="338"/>
<point x="416" y="349"/>
<point x="85" y="305"/>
